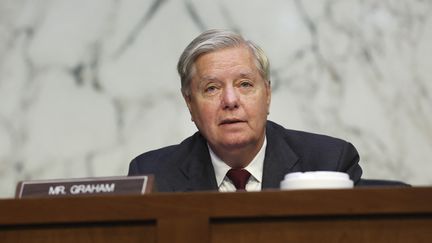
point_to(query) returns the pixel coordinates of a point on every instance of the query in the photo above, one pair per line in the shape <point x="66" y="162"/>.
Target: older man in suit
<point x="226" y="85"/>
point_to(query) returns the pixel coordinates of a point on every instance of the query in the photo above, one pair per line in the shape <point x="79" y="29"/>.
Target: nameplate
<point x="119" y="185"/>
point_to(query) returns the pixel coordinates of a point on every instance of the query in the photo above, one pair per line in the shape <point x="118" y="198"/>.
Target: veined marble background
<point x="87" y="85"/>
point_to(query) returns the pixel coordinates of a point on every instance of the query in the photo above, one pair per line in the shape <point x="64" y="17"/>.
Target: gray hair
<point x="213" y="40"/>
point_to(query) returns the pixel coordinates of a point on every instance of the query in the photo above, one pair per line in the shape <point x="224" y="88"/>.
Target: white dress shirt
<point x="255" y="168"/>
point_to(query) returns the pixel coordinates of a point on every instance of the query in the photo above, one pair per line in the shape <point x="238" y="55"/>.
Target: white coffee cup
<point x="316" y="180"/>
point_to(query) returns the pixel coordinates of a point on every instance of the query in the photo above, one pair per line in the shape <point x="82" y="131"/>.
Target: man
<point x="225" y="83"/>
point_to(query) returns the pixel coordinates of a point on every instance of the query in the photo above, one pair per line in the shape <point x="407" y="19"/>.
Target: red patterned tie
<point x="239" y="177"/>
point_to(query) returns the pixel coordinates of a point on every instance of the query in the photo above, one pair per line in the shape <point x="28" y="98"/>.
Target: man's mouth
<point x="230" y="121"/>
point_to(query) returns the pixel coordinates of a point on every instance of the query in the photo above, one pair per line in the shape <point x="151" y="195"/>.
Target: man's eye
<point x="210" y="89"/>
<point x="246" y="84"/>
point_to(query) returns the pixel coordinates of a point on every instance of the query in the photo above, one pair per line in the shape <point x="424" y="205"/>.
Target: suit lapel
<point x="197" y="167"/>
<point x="279" y="159"/>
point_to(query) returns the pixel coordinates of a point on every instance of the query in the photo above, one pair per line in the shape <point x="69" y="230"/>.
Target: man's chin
<point x="236" y="143"/>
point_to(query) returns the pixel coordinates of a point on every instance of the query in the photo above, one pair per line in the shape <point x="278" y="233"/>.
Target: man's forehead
<point x="213" y="65"/>
<point x="240" y="74"/>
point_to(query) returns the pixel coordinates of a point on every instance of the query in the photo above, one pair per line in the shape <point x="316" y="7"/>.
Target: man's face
<point x="229" y="100"/>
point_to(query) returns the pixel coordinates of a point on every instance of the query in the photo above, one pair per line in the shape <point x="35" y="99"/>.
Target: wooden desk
<point x="357" y="215"/>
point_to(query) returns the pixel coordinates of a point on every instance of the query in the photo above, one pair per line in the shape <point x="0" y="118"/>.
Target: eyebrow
<point x="208" y="77"/>
<point x="246" y="74"/>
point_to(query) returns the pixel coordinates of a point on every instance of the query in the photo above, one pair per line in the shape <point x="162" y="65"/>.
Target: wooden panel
<point x="368" y="201"/>
<point x="79" y="233"/>
<point x="183" y="230"/>
<point x="355" y="215"/>
<point x="355" y="230"/>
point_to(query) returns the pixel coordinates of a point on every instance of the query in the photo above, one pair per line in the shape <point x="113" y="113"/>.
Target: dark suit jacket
<point x="187" y="166"/>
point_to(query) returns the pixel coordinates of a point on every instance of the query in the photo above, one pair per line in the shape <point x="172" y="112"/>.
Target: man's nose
<point x="230" y="99"/>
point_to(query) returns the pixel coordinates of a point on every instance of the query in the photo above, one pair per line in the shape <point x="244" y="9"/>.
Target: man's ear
<point x="188" y="100"/>
<point x="268" y="90"/>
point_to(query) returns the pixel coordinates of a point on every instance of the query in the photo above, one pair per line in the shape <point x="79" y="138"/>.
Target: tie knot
<point x="239" y="177"/>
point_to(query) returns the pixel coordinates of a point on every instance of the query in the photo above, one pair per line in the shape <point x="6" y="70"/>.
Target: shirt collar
<point x="255" y="167"/>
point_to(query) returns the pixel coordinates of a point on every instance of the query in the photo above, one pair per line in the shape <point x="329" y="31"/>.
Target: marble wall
<point x="85" y="86"/>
